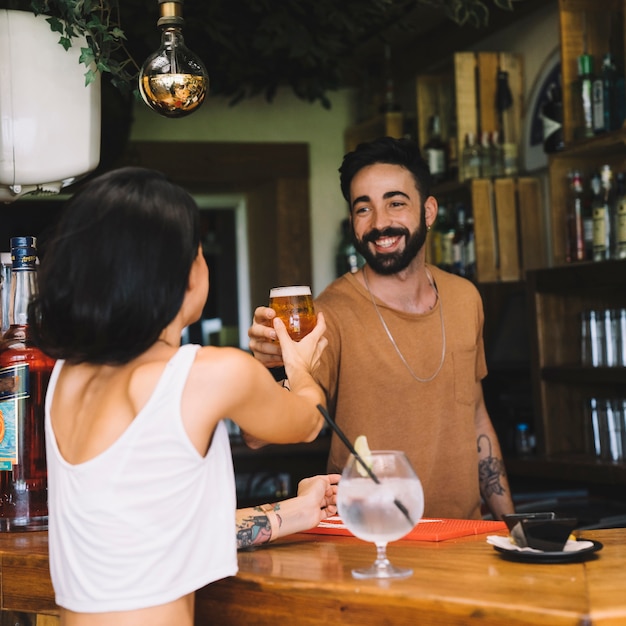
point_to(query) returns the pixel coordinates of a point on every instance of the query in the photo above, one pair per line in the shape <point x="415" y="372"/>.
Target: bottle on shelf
<point x="24" y="372"/>
<point x="552" y="119"/>
<point x="591" y="201"/>
<point x="443" y="236"/>
<point x="486" y="156"/>
<point x="575" y="210"/>
<point x="453" y="150"/>
<point x="619" y="102"/>
<point x="585" y="79"/>
<point x="471" y="158"/>
<point x="620" y="217"/>
<point x="470" y="249"/>
<point x="598" y="105"/>
<point x="504" y="106"/>
<point x="603" y="217"/>
<point x="435" y="150"/>
<point x="390" y="103"/>
<point x="524" y="440"/>
<point x="604" y="97"/>
<point x="347" y="258"/>
<point x="5" y="289"/>
<point x="459" y="242"/>
<point x="497" y="155"/>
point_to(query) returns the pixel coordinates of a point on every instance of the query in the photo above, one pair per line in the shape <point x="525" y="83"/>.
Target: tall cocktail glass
<point x="381" y="511"/>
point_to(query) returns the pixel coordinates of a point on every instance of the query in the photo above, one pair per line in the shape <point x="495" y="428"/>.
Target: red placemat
<point x="428" y="529"/>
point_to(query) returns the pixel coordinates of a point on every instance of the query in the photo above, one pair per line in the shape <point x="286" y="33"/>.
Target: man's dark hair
<point x="115" y="273"/>
<point x="404" y="152"/>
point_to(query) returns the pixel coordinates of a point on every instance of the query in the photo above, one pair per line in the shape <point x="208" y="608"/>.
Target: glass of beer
<point x="294" y="306"/>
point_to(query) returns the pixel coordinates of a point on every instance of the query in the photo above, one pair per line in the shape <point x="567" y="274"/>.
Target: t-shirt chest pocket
<point x="464" y="362"/>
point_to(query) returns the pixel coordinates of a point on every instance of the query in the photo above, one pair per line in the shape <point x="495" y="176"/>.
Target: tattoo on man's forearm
<point x="490" y="470"/>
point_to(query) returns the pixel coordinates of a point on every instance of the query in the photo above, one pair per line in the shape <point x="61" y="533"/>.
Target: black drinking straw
<point x="358" y="457"/>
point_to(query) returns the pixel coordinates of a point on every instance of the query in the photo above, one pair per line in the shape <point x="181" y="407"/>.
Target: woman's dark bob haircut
<point x="115" y="272"/>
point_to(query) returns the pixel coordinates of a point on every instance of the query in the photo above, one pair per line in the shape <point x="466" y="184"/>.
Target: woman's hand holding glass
<point x="303" y="355"/>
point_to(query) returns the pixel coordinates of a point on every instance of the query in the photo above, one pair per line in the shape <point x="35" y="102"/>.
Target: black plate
<point x="550" y="557"/>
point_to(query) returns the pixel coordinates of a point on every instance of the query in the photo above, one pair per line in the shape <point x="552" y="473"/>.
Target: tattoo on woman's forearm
<point x="254" y="530"/>
<point x="490" y="470"/>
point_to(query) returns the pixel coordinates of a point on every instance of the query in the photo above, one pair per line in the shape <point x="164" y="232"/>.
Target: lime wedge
<point x="363" y="450"/>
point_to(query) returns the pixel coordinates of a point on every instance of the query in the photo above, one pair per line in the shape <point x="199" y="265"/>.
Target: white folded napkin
<point x="506" y="544"/>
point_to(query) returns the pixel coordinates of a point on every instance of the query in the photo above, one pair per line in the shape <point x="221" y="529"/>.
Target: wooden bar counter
<point x="305" y="580"/>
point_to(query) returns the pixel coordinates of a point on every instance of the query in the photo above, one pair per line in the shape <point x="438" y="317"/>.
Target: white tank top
<point x="148" y="520"/>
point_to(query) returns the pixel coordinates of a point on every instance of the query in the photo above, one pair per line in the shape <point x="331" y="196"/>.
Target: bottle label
<point x="621" y="229"/>
<point x="510" y="159"/>
<point x="598" y="105"/>
<point x="447" y="253"/>
<point x="14" y="386"/>
<point x="436" y="161"/>
<point x="600" y="215"/>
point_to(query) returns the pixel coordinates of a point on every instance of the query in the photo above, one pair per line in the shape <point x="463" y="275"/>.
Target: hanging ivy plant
<point x="250" y="46"/>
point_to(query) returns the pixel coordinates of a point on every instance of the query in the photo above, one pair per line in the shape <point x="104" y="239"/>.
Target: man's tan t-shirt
<point x="371" y="392"/>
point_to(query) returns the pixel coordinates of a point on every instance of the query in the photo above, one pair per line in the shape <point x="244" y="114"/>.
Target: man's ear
<point x="430" y="208"/>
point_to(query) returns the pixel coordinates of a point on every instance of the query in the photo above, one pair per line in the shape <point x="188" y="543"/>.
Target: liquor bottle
<point x="620" y="97"/>
<point x="486" y="157"/>
<point x="471" y="158"/>
<point x="620" y="218"/>
<point x="435" y="151"/>
<point x="603" y="219"/>
<point x="598" y="105"/>
<point x="603" y="96"/>
<point x="347" y="258"/>
<point x="552" y="119"/>
<point x="24" y="375"/>
<point x="575" y="232"/>
<point x="470" y="249"/>
<point x="442" y="238"/>
<point x="585" y="80"/>
<point x="504" y="106"/>
<point x="5" y="289"/>
<point x="595" y="186"/>
<point x="497" y="155"/>
<point x="609" y="79"/>
<point x="459" y="242"/>
<point x="453" y="150"/>
<point x="389" y="104"/>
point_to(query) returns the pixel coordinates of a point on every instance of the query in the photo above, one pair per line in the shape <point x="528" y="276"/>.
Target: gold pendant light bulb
<point x="173" y="80"/>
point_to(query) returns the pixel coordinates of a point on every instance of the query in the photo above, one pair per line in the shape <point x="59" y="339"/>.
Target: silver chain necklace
<point x="393" y="341"/>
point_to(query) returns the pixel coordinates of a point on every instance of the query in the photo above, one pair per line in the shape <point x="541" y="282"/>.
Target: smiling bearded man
<point x="405" y="357"/>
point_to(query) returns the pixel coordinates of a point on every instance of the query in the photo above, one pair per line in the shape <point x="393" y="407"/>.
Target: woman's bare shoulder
<point x="224" y="363"/>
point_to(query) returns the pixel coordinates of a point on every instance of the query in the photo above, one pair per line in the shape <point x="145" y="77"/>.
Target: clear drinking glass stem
<point x="382" y="567"/>
<point x="382" y="563"/>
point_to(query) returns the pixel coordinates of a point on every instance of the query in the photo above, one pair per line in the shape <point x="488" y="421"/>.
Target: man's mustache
<point x="375" y="234"/>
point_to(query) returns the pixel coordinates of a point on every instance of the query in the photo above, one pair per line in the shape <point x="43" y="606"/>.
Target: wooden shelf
<point x="578" y="375"/>
<point x="578" y="468"/>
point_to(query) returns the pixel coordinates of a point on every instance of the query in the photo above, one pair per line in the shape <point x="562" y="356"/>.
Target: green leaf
<point x="56" y="25"/>
<point x="86" y="56"/>
<point x="65" y="42"/>
<point x="90" y="77"/>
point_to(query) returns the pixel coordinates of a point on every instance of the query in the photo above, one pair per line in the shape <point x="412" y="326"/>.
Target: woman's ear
<point x="199" y="272"/>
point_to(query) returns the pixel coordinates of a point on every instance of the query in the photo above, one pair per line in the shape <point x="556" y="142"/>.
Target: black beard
<point x="387" y="264"/>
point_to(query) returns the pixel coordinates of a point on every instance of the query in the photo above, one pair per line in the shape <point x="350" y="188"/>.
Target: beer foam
<point x="288" y="292"/>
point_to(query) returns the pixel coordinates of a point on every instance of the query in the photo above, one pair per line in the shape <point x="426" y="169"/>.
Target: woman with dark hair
<point x="140" y="478"/>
